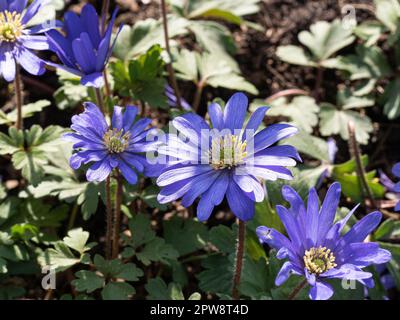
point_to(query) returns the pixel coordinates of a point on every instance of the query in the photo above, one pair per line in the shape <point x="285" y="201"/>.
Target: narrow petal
<point x="287" y="269"/>
<point x="328" y="210"/>
<point x="129" y="117"/>
<point x="216" y="116"/>
<point x="99" y="171"/>
<point x="272" y="134"/>
<point x="362" y="228"/>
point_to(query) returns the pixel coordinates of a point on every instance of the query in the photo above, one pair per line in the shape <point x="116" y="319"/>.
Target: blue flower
<point x="316" y="249"/>
<point x="84" y="51"/>
<point x="396" y="188"/>
<point x="227" y="160"/>
<point x="120" y="146"/>
<point x="17" y="40"/>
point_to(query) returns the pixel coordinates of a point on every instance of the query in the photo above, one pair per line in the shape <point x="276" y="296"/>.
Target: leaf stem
<point x="356" y="154"/>
<point x="197" y="96"/>
<point x="296" y="290"/>
<point x="109" y="217"/>
<point x="318" y="83"/>
<point x="99" y="99"/>
<point x="18" y="98"/>
<point x="239" y="259"/>
<point x="170" y="68"/>
<point x="104" y="11"/>
<point x="72" y="217"/>
<point x="117" y="217"/>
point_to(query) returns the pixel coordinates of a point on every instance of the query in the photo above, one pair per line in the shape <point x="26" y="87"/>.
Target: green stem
<point x="117" y="217"/>
<point x="99" y="99"/>
<point x="109" y="217"/>
<point x="239" y="259"/>
<point x="170" y="68"/>
<point x="356" y="154"/>
<point x="18" y="99"/>
<point x="72" y="217"/>
<point x="197" y="96"/>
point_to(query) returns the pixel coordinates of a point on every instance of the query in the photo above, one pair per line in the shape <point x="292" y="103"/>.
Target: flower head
<point x="396" y="188"/>
<point x="315" y="247"/>
<point x="225" y="160"/>
<point x="84" y="50"/>
<point x="120" y="146"/>
<point x="17" y="39"/>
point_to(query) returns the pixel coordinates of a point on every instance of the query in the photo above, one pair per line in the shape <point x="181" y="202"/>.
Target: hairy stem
<point x="109" y="218"/>
<point x="170" y="68"/>
<point x="117" y="217"/>
<point x="104" y="13"/>
<point x="72" y="217"/>
<point x="18" y="99"/>
<point x="239" y="259"/>
<point x="197" y="97"/>
<point x="356" y="154"/>
<point x="296" y="290"/>
<point x="99" y="99"/>
<point x="318" y="83"/>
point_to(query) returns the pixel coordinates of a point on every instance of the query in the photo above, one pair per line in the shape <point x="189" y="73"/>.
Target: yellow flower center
<point x="319" y="260"/>
<point x="10" y="26"/>
<point x="116" y="141"/>
<point x="227" y="152"/>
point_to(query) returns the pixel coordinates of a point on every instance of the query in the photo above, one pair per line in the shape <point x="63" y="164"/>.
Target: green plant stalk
<point x="104" y="11"/>
<point x="109" y="219"/>
<point x="170" y="68"/>
<point x="18" y="98"/>
<point x="318" y="83"/>
<point x="239" y="259"/>
<point x="117" y="217"/>
<point x="361" y="175"/>
<point x="197" y="96"/>
<point x="72" y="217"/>
<point x="99" y="99"/>
<point x="296" y="290"/>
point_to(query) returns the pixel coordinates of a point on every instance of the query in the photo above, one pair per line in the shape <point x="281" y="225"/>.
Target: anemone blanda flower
<point x="316" y="249"/>
<point x="84" y="50"/>
<point x="121" y="145"/>
<point x="396" y="188"/>
<point x="227" y="160"/>
<point x="17" y="40"/>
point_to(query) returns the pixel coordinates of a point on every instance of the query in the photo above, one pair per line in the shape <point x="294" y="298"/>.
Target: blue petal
<point x="362" y="228"/>
<point x="128" y="172"/>
<point x="256" y="119"/>
<point x="99" y="171"/>
<point x="216" y="116"/>
<point x="321" y="291"/>
<point x="95" y="80"/>
<point x="235" y="111"/>
<point x="272" y="134"/>
<point x="287" y="269"/>
<point x="239" y="203"/>
<point x="117" y="118"/>
<point x="129" y="117"/>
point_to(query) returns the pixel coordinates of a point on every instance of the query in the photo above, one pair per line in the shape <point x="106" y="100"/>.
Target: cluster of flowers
<point x="219" y="166"/>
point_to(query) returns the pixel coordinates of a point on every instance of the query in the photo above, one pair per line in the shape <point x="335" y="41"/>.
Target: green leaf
<point x="28" y="111"/>
<point x="136" y="40"/>
<point x="369" y="31"/>
<point x="117" y="291"/>
<point x="158" y="290"/>
<point x="142" y="78"/>
<point x="77" y="239"/>
<point x="87" y="281"/>
<point x="302" y="111"/>
<point x="325" y="38"/>
<point x="295" y="55"/>
<point x="391" y="99"/>
<point x="223" y="238"/>
<point x="334" y="121"/>
<point x="388" y="12"/>
<point x="141" y="231"/>
<point x="186" y="236"/>
<point x="157" y="250"/>
<point x="312" y="146"/>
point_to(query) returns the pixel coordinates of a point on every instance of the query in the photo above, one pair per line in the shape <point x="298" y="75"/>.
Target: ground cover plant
<point x="199" y="150"/>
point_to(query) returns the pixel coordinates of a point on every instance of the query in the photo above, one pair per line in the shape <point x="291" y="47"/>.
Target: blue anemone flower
<point x="316" y="249"/>
<point x="84" y="50"/>
<point x="121" y="145"/>
<point x="17" y="40"/>
<point x="225" y="160"/>
<point x="396" y="188"/>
